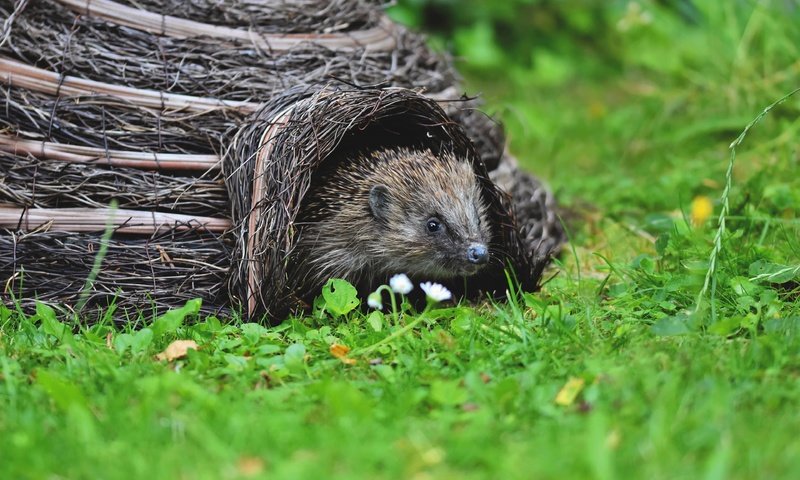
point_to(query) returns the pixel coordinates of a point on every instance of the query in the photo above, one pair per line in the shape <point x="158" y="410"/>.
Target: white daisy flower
<point x="401" y="284"/>
<point x="435" y="291"/>
<point x="374" y="301"/>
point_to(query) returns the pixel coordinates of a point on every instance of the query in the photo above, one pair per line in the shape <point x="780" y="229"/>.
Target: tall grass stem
<point x="723" y="214"/>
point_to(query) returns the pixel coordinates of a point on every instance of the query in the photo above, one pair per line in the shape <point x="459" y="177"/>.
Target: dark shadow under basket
<point x="271" y="160"/>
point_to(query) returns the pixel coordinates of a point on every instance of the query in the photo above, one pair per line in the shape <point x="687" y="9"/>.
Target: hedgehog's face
<point x="440" y="231"/>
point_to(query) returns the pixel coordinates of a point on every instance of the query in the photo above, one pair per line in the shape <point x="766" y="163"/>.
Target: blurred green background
<point x="643" y="97"/>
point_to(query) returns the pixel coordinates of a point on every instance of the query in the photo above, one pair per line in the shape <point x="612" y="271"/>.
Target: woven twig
<point x="22" y="75"/>
<point x="379" y="38"/>
<point x="96" y="219"/>
<point x="108" y="123"/>
<point x="139" y="274"/>
<point x="113" y="158"/>
<point x="45" y="183"/>
<point x="53" y="38"/>
<point x="272" y="16"/>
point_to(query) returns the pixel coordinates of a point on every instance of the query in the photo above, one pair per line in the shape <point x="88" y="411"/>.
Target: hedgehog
<point x="395" y="210"/>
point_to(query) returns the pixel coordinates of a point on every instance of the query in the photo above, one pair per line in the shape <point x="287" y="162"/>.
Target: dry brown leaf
<point x="109" y="341"/>
<point x="340" y="351"/>
<point x="177" y="349"/>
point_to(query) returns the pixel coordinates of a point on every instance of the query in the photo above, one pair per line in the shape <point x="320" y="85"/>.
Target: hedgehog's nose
<point x="477" y="253"/>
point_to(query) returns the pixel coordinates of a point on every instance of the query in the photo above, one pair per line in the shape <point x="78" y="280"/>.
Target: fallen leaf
<point x="109" y="343"/>
<point x="177" y="349"/>
<point x="569" y="392"/>
<point x="249" y="466"/>
<point x="340" y="351"/>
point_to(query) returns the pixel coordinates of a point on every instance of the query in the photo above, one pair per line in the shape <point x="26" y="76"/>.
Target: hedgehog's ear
<point x="379" y="201"/>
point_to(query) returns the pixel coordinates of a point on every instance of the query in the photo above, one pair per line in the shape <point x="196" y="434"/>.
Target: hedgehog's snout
<point x="477" y="253"/>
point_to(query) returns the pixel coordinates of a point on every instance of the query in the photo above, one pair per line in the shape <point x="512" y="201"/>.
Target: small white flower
<point x="374" y="301"/>
<point x="401" y="284"/>
<point x="435" y="291"/>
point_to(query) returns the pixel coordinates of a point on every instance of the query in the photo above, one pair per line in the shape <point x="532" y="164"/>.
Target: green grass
<point x="668" y="390"/>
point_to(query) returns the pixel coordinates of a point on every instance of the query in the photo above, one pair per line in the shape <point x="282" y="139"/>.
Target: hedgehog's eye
<point x="434" y="225"/>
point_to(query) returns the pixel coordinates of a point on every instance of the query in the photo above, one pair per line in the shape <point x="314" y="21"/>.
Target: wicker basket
<point x="204" y="121"/>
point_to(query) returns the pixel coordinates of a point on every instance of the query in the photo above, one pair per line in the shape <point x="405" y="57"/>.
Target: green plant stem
<point x="717" y="248"/>
<point x="98" y="259"/>
<point x="386" y="288"/>
<point x="399" y="333"/>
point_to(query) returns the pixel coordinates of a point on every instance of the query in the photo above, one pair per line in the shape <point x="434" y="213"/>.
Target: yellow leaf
<point x="177" y="349"/>
<point x="340" y="351"/>
<point x="569" y="392"/>
<point x="702" y="208"/>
